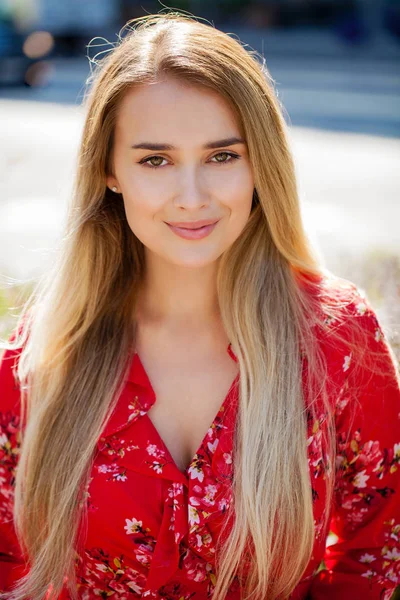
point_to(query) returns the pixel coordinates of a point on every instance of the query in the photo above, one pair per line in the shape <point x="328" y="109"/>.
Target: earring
<point x="114" y="189"/>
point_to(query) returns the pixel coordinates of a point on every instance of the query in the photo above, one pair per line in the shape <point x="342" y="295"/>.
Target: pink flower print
<point x="356" y="517"/>
<point x="209" y="497"/>
<point x="223" y="505"/>
<point x="152" y="449"/>
<point x="155" y="451"/>
<point x="350" y="502"/>
<point x="196" y="570"/>
<point x="228" y="457"/>
<point x="102" y="469"/>
<point x="144" y="554"/>
<point x="370" y="453"/>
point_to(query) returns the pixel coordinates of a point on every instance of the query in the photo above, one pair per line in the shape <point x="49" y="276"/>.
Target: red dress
<point x="152" y="528"/>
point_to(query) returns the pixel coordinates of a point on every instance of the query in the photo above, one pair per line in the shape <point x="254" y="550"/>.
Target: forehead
<point x="170" y="109"/>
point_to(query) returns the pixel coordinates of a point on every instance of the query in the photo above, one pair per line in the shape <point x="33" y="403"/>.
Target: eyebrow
<point x="216" y="144"/>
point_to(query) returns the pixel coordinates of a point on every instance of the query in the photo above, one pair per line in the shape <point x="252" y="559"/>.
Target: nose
<point x="192" y="192"/>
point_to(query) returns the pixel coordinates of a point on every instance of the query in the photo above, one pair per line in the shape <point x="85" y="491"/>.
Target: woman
<point x="192" y="401"/>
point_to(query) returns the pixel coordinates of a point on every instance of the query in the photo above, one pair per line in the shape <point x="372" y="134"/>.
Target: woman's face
<point x="198" y="176"/>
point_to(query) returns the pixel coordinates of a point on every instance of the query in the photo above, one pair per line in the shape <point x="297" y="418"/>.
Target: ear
<point x="112" y="183"/>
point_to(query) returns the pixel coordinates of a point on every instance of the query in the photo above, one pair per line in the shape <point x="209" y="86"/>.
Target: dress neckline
<point x="142" y="376"/>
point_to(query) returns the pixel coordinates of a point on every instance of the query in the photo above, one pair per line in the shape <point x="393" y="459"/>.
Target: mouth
<point x="194" y="226"/>
<point x="191" y="233"/>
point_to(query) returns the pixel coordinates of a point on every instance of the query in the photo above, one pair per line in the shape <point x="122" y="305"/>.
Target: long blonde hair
<point x="76" y="330"/>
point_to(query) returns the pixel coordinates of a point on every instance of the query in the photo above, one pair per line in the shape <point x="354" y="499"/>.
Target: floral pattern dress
<point x="152" y="528"/>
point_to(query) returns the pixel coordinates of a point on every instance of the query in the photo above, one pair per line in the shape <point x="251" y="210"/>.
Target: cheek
<point x="237" y="191"/>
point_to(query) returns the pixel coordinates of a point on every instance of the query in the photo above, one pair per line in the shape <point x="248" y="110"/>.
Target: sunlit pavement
<point x="348" y="183"/>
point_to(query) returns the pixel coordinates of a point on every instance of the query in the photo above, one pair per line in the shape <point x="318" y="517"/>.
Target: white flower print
<point x="360" y="480"/>
<point x="157" y="467"/>
<point x="193" y="515"/>
<point x="361" y="308"/>
<point x="212" y="446"/>
<point x="396" y="450"/>
<point x="346" y="363"/>
<point x="133" y="525"/>
<point x="369" y="574"/>
<point x="196" y="472"/>
<point x="393" y="554"/>
<point x="367" y="558"/>
<point x="392" y="576"/>
<point x="134" y="587"/>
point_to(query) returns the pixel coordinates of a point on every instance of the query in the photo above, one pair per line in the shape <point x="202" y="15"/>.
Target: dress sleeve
<point x="364" y="560"/>
<point x="11" y="561"/>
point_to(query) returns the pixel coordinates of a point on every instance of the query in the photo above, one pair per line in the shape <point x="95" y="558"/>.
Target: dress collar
<point x="136" y="398"/>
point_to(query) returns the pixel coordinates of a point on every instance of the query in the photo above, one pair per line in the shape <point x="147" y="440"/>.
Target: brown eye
<point x="225" y="155"/>
<point x="152" y="158"/>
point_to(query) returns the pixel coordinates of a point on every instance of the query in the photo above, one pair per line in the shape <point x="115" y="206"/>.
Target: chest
<point x="189" y="391"/>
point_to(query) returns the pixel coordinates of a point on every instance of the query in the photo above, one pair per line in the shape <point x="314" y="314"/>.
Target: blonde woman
<point x="190" y="402"/>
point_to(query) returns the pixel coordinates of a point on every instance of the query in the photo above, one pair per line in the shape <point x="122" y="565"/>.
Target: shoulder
<point x="343" y="311"/>
<point x="350" y="335"/>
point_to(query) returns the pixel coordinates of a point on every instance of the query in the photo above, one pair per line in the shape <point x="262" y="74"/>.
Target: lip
<point x="192" y="224"/>
<point x="193" y="234"/>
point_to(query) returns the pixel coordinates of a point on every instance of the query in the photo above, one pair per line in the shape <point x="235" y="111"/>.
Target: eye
<point x="145" y="161"/>
<point x="224" y="154"/>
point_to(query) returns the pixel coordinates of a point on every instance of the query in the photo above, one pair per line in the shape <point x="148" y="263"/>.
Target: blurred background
<point x="336" y="67"/>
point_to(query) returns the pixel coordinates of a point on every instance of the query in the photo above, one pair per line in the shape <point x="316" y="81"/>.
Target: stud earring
<point x="114" y="189"/>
